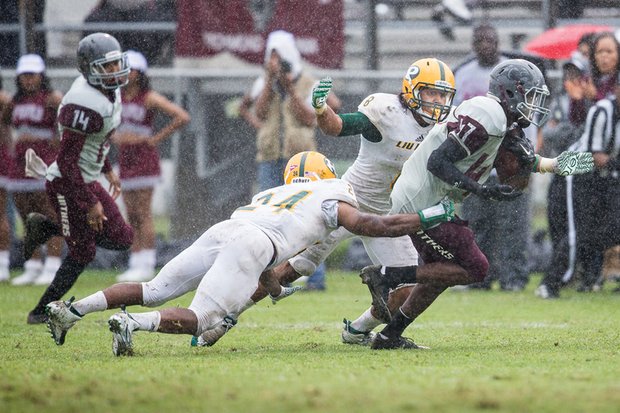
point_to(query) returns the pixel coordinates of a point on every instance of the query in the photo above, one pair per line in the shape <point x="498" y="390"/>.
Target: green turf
<point x="491" y="351"/>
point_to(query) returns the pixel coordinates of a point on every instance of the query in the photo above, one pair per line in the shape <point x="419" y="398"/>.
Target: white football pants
<point x="223" y="266"/>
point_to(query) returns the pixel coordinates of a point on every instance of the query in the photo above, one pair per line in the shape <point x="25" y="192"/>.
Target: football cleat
<point x="350" y="335"/>
<point x="39" y="229"/>
<point x="122" y="326"/>
<point x="372" y="277"/>
<point x="36" y="318"/>
<point x="210" y="337"/>
<point x="60" y="319"/>
<point x="286" y="292"/>
<point x="382" y="342"/>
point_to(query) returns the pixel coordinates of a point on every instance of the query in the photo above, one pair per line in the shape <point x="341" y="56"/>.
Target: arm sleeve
<point x="441" y="164"/>
<point x="358" y="123"/>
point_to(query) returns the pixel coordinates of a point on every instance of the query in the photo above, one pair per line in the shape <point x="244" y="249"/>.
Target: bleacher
<point x="405" y="31"/>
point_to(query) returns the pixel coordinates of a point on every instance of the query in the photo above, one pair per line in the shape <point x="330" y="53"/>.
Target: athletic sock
<point x="66" y="276"/>
<point x="148" y="321"/>
<point x="395" y="276"/>
<point x="365" y="322"/>
<point x="90" y="304"/>
<point x="51" y="265"/>
<point x="398" y="324"/>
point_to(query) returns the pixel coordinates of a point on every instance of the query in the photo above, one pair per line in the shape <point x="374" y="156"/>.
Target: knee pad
<point x="302" y="266"/>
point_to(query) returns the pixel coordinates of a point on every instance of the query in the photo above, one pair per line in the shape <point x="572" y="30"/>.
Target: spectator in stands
<point x="605" y="64"/>
<point x="5" y="164"/>
<point x="564" y="128"/>
<point x="596" y="195"/>
<point x="139" y="161"/>
<point x="286" y="122"/>
<point x="501" y="229"/>
<point x="32" y="115"/>
<point x="458" y="9"/>
<point x="157" y="46"/>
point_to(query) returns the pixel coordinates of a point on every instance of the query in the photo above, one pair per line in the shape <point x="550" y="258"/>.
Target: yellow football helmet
<point x="429" y="74"/>
<point x="308" y="166"/>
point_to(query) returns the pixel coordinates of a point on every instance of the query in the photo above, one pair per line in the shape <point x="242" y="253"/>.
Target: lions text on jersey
<point x="378" y="164"/>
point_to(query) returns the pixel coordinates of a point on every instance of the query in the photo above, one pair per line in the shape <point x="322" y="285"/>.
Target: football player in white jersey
<point x="391" y="126"/>
<point x="87" y="215"/>
<point x="225" y="264"/>
<point x="455" y="160"/>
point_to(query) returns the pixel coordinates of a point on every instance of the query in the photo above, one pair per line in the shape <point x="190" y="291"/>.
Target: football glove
<point x="498" y="192"/>
<point x="437" y="214"/>
<point x="320" y="91"/>
<point x="573" y="163"/>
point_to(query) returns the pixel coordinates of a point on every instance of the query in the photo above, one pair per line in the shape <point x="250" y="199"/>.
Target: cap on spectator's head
<point x="30" y="63"/>
<point x="578" y="63"/>
<point x="137" y="61"/>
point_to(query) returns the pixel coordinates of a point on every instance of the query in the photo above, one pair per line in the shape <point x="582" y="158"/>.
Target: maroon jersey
<point x="34" y="122"/>
<point x="139" y="164"/>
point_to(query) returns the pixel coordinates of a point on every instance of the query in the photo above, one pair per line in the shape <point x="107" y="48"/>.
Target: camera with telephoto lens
<point x="285" y="66"/>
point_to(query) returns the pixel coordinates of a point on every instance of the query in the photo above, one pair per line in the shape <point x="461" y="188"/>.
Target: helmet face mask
<point x="520" y="88"/>
<point x="308" y="167"/>
<point x="429" y="75"/>
<point x="96" y="54"/>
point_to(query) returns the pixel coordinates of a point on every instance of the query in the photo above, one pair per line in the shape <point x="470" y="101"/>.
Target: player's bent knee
<point x="478" y="269"/>
<point x="302" y="266"/>
<point x="151" y="295"/>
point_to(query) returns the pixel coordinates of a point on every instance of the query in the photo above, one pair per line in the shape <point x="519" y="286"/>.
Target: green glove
<point x="437" y="214"/>
<point x="319" y="94"/>
<point x="574" y="163"/>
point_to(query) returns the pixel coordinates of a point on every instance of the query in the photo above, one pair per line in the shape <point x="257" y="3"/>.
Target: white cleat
<point x="28" y="277"/>
<point x="352" y="336"/>
<point x="210" y="337"/>
<point x="60" y="319"/>
<point x="122" y="326"/>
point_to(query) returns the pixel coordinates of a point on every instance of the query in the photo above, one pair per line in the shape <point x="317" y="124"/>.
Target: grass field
<point x="491" y="351"/>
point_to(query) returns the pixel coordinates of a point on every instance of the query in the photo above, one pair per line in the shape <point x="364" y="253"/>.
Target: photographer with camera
<point x="279" y="107"/>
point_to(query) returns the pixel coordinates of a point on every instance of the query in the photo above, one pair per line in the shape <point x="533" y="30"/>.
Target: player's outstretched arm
<point x="329" y="122"/>
<point x="371" y="225"/>
<point x="566" y="163"/>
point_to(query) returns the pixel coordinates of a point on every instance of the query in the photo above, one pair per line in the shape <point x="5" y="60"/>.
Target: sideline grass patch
<point x="490" y="351"/>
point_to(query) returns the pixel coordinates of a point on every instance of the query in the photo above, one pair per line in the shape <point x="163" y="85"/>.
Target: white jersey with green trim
<point x="296" y="216"/>
<point x="378" y="164"/>
<point x="478" y="125"/>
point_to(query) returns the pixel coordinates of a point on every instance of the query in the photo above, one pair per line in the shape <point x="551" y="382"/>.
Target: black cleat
<point x="372" y="277"/>
<point x="36" y="318"/>
<point x="382" y="342"/>
<point x="39" y="229"/>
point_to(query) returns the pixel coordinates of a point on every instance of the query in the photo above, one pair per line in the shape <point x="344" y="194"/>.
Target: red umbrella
<point x="560" y="42"/>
